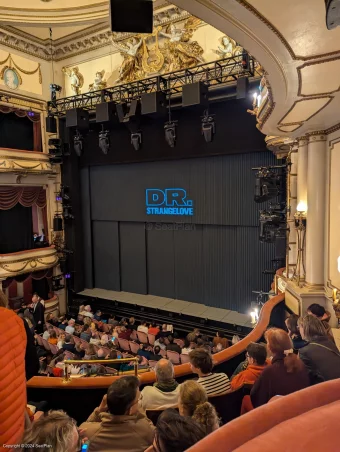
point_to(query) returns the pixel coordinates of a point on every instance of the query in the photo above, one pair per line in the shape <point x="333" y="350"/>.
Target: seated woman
<point x="220" y="339"/>
<point x="95" y="339"/>
<point x="90" y="352"/>
<point x="193" y="402"/>
<point x="320" y="313"/>
<point x="320" y="355"/>
<point x="285" y="375"/>
<point x="293" y="331"/>
<point x="61" y="340"/>
<point x="53" y="338"/>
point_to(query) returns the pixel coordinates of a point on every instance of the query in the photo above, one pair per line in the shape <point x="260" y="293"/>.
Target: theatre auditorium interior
<point x="169" y="225"/>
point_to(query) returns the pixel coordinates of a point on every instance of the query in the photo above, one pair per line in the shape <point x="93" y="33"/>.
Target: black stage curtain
<point x="15" y="132"/>
<point x="16" y="229"/>
<point x="41" y="287"/>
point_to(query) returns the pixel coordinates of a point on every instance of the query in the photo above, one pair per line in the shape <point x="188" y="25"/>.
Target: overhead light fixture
<point x="136" y="140"/>
<point x="208" y="126"/>
<point x="104" y="140"/>
<point x="55" y="151"/>
<point x="170" y="133"/>
<point x="78" y="144"/>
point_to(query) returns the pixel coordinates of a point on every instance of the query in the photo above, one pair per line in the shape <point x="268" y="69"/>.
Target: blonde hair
<point x="53" y="432"/>
<point x="194" y="400"/>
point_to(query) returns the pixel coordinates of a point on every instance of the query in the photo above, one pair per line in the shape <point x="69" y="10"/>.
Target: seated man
<point x="117" y="424"/>
<point x="155" y="355"/>
<point x="86" y="333"/>
<point x="256" y="356"/>
<point x="160" y="343"/>
<point x="164" y="393"/>
<point x="143" y="351"/>
<point x="68" y="345"/>
<point x="202" y="365"/>
<point x="172" y="346"/>
<point x="70" y="327"/>
<point x="98" y="315"/>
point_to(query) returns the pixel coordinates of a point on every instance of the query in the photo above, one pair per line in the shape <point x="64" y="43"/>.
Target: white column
<point x="302" y="173"/>
<point x="292" y="205"/>
<point x="316" y="192"/>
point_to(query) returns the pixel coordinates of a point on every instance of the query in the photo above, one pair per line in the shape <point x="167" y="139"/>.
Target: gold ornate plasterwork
<point x="76" y="79"/>
<point x="24" y="102"/>
<point x="280" y="146"/>
<point x="24" y="162"/>
<point x="12" y="66"/>
<point x="27" y="261"/>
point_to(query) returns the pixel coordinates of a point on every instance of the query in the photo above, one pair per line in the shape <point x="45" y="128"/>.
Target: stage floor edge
<point x="173" y="305"/>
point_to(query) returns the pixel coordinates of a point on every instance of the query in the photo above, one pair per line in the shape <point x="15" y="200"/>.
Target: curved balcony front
<point x="24" y="162"/>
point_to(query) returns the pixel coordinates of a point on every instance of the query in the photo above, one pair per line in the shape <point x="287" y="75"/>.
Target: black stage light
<point x="55" y="151"/>
<point x="170" y="133"/>
<point x="208" y="127"/>
<point x="64" y="193"/>
<point x="136" y="140"/>
<point x="67" y="212"/>
<point x="332" y="13"/>
<point x="104" y="140"/>
<point x="267" y="185"/>
<point x="78" y="144"/>
<point x="54" y="90"/>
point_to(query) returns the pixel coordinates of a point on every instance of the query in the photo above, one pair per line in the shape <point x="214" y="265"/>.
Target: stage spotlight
<point x="104" y="140"/>
<point x="136" y="140"/>
<point x="208" y="127"/>
<point x="64" y="193"/>
<point x="54" y="90"/>
<point x="78" y="144"/>
<point x="170" y="133"/>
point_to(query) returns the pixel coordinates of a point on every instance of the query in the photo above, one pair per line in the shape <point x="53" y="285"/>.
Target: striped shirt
<point x="215" y="383"/>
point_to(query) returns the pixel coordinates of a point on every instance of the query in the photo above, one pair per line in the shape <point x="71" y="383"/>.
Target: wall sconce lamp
<point x="336" y="301"/>
<point x="300" y="218"/>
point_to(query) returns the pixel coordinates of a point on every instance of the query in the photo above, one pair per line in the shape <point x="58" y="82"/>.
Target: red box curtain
<point x="26" y="196"/>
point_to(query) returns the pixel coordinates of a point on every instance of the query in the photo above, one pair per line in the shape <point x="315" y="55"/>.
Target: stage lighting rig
<point x="104" y="140"/>
<point x="136" y="140"/>
<point x="54" y="90"/>
<point x="67" y="212"/>
<point x="78" y="143"/>
<point x="56" y="283"/>
<point x="272" y="224"/>
<point x="55" y="150"/>
<point x="208" y="126"/>
<point x="170" y="133"/>
<point x="268" y="183"/>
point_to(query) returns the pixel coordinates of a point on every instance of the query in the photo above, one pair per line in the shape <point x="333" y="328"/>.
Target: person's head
<point x="80" y="317"/>
<point x="156" y="350"/>
<point x="123" y="395"/>
<point x="86" y="328"/>
<point x="68" y="339"/>
<point x="191" y="337"/>
<point x="131" y="320"/>
<point x="62" y="337"/>
<point x="171" y="339"/>
<point x="101" y="353"/>
<point x="123" y="329"/>
<point x="164" y="327"/>
<point x="71" y="322"/>
<point x="292" y="324"/>
<point x="161" y="340"/>
<point x="280" y="345"/>
<point x="164" y="371"/>
<point x="50" y="329"/>
<point x="53" y="334"/>
<point x="193" y="402"/>
<point x="220" y="334"/>
<point x="113" y="354"/>
<point x="205" y="339"/>
<point x="112" y="316"/>
<point x="90" y="350"/>
<point x="201" y="361"/>
<point x="87" y="321"/>
<point x="57" y="432"/>
<point x="256" y="354"/>
<point x="88" y="308"/>
<point x="175" y="433"/>
<point x="317" y="310"/>
<point x="49" y="317"/>
<point x="143" y="323"/>
<point x="78" y="347"/>
<point x="35" y="298"/>
<point x="153" y="324"/>
<point x="197" y="332"/>
<point x="311" y="328"/>
<point x="99" y="313"/>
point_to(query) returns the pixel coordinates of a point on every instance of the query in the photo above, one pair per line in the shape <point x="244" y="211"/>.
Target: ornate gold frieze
<point x="24" y="162"/>
<point x="27" y="261"/>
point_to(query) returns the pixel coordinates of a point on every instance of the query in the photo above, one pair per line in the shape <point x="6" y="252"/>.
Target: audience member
<point x="155" y="354"/>
<point x="117" y="424"/>
<point x="87" y="312"/>
<point x="320" y="355"/>
<point x="124" y="333"/>
<point x="50" y="318"/>
<point x="95" y="339"/>
<point x="285" y="375"/>
<point x="202" y="365"/>
<point x="160" y="343"/>
<point x="220" y="339"/>
<point x="38" y="310"/>
<point x="80" y="319"/>
<point x="154" y="329"/>
<point x="68" y="344"/>
<point x="98" y="315"/>
<point x="164" y="393"/>
<point x="53" y="338"/>
<point x="85" y="334"/>
<point x="90" y="352"/>
<point x="79" y="351"/>
<point x="256" y="356"/>
<point x="143" y="351"/>
<point x="112" y="320"/>
<point x="61" y="340"/>
<point x="293" y="331"/>
<point x="63" y="323"/>
<point x="87" y="321"/>
<point x="165" y="332"/>
<point x="104" y="339"/>
<point x="114" y="354"/>
<point x="172" y="346"/>
<point x="175" y="433"/>
<point x="143" y="328"/>
<point x="142" y="364"/>
<point x="47" y="332"/>
<point x="320" y="313"/>
<point x="132" y="324"/>
<point x="70" y="327"/>
<point x="193" y="402"/>
<point x="55" y="432"/>
<point x="189" y="344"/>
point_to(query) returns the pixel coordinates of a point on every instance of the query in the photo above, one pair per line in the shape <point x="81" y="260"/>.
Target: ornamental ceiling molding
<point x="12" y="38"/>
<point x="24" y="162"/>
<point x="15" y="264"/>
<point x="309" y="64"/>
<point x="330" y="98"/>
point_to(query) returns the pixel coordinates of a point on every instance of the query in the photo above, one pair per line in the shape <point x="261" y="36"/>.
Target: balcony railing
<point x="24" y="162"/>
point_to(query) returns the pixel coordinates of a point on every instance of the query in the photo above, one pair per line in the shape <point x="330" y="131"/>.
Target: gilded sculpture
<point x="99" y="82"/>
<point x="132" y="52"/>
<point x="76" y="78"/>
<point x="229" y="48"/>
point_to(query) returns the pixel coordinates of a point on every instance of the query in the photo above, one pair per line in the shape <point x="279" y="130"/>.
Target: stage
<point x="179" y="307"/>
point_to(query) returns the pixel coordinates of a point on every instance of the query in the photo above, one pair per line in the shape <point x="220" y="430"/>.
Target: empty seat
<point x="163" y="353"/>
<point x="184" y="358"/>
<point x="39" y="340"/>
<point x="76" y="339"/>
<point x="228" y="405"/>
<point x="179" y="342"/>
<point x="152" y="364"/>
<point x="54" y="349"/>
<point x="124" y="344"/>
<point x="134" y="347"/>
<point x="151" y="338"/>
<point x="143" y="337"/>
<point x="45" y="344"/>
<point x="173" y="357"/>
<point x="134" y="336"/>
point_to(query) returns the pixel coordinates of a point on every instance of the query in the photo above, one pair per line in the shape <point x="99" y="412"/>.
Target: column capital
<point x="320" y="135"/>
<point x="303" y="141"/>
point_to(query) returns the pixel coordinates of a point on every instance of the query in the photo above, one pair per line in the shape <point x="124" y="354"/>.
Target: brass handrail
<point x="66" y="378"/>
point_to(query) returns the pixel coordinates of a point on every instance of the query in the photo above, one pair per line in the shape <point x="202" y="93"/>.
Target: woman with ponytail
<point x="193" y="402"/>
<point x="285" y="375"/>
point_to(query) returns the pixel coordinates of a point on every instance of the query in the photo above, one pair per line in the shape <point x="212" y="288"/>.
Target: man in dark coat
<point x="38" y="310"/>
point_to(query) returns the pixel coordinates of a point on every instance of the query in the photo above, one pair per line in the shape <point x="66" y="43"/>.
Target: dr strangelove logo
<point x="170" y="201"/>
